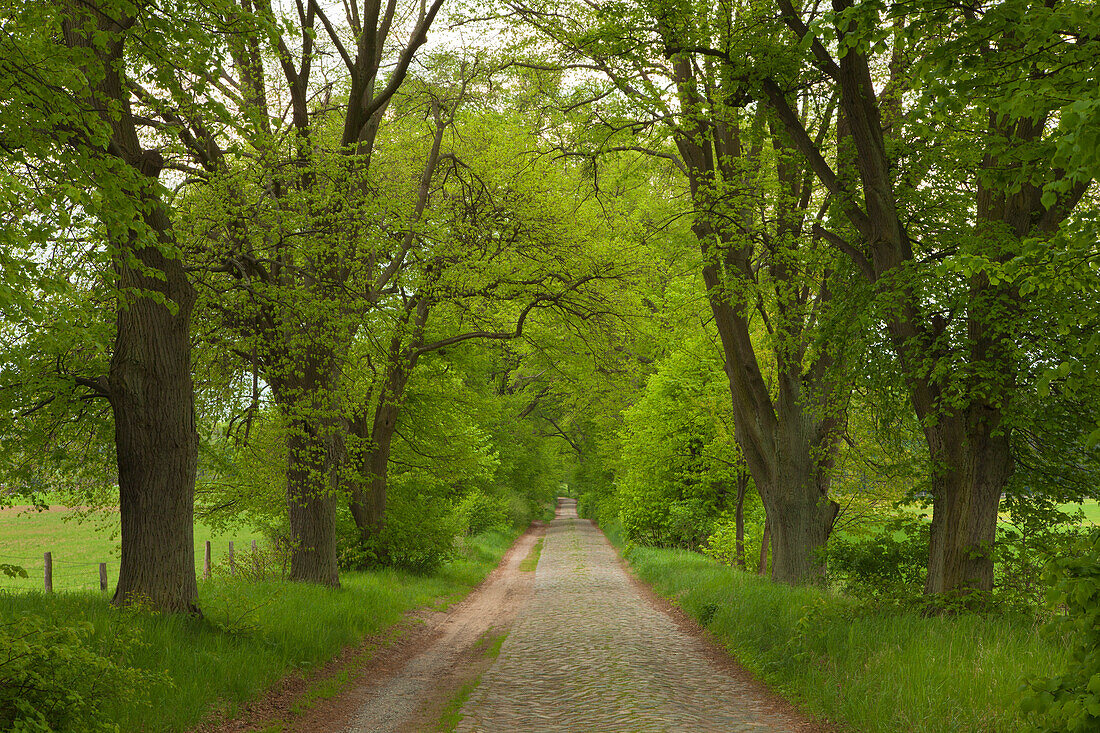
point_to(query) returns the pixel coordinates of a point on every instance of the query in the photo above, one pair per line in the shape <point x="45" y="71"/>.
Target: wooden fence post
<point x="206" y="563"/>
<point x="48" y="558"/>
<point x="232" y="562"/>
<point x="103" y="576"/>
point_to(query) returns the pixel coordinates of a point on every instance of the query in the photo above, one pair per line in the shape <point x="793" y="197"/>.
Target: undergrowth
<point x="250" y="636"/>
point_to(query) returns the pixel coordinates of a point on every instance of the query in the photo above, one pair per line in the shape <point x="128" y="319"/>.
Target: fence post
<point x="206" y="563"/>
<point x="48" y="558"/>
<point x="232" y="562"/>
<point x="103" y="576"/>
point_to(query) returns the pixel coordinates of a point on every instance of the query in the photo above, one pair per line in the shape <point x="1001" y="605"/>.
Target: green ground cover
<point x="252" y="634"/>
<point x="1091" y="510"/>
<point x="876" y="670"/>
<point x="80" y="541"/>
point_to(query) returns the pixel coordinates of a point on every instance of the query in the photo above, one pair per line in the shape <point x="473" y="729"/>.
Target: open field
<point x="80" y="543"/>
<point x="1090" y="508"/>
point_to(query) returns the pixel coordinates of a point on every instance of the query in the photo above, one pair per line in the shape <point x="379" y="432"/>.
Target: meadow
<point x="80" y="540"/>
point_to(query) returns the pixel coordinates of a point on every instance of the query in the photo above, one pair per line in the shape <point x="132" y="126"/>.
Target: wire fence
<point x="52" y="573"/>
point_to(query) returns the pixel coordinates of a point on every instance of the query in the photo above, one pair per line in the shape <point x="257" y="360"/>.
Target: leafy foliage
<point x="1070" y="702"/>
<point x="53" y="679"/>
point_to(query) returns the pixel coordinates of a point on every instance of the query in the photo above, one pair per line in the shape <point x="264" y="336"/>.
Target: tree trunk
<point x="762" y="566"/>
<point x="312" y="457"/>
<point x="152" y="401"/>
<point x="149" y="377"/>
<point x="739" y="517"/>
<point x="368" y="491"/>
<point x="975" y="464"/>
<point x="788" y="448"/>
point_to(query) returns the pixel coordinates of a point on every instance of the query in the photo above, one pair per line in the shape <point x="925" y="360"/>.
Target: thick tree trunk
<point x="787" y="447"/>
<point x="152" y="400"/>
<point x="975" y="464"/>
<point x="315" y="433"/>
<point x="798" y="530"/>
<point x="312" y="457"/>
<point x="149" y="377"/>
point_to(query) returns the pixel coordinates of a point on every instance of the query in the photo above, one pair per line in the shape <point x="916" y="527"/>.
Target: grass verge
<point x="489" y="645"/>
<point x="251" y="635"/>
<point x="876" y="670"/>
<point x="529" y="563"/>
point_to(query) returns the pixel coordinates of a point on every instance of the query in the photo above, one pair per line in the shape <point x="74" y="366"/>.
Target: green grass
<point x="489" y="645"/>
<point x="1091" y="510"/>
<point x="80" y="544"/>
<point x="879" y="671"/>
<point x="253" y="634"/>
<point x="529" y="563"/>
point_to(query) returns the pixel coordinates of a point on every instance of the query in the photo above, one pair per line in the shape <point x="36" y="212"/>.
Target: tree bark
<point x="762" y="565"/>
<point x="975" y="463"/>
<point x="788" y="442"/>
<point x="312" y="458"/>
<point x="739" y="517"/>
<point x="152" y="401"/>
<point x="149" y="377"/>
<point x="374" y="437"/>
<point x="961" y="409"/>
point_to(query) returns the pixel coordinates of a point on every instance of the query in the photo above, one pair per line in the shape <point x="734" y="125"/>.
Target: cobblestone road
<point x="590" y="653"/>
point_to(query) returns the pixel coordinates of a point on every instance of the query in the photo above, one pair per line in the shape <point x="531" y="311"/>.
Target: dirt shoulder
<point x="403" y="678"/>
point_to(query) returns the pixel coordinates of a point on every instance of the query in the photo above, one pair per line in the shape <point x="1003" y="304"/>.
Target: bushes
<point x="418" y="535"/>
<point x="601" y="508"/>
<point x="1070" y="702"/>
<point x="479" y="512"/>
<point x="889" y="566"/>
<point x="53" y="678"/>
<point x="722" y="543"/>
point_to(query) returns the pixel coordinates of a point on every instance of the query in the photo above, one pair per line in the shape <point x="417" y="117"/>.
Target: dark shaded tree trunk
<point x="765" y="540"/>
<point x="739" y="517"/>
<point x="152" y="400"/>
<point x="367" y="491"/>
<point x="960" y="409"/>
<point x="374" y="431"/>
<point x="966" y="494"/>
<point x="312" y="458"/>
<point x="149" y="377"/>
<point x="788" y="442"/>
<point x="310" y="399"/>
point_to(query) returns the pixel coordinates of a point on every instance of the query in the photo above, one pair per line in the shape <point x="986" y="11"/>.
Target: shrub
<point x="722" y="543"/>
<point x="52" y="680"/>
<point x="478" y="512"/>
<point x="1070" y="702"/>
<point x="889" y="566"/>
<point x="419" y="535"/>
<point x="690" y="523"/>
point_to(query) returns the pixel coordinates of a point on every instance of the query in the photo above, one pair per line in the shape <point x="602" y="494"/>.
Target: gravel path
<point x="590" y="653"/>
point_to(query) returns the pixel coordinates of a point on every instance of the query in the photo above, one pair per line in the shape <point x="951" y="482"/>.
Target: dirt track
<point x="586" y="648"/>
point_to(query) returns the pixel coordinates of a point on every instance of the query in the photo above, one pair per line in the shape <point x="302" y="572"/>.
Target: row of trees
<point x="293" y="211"/>
<point x="869" y="179"/>
<point x="230" y="218"/>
